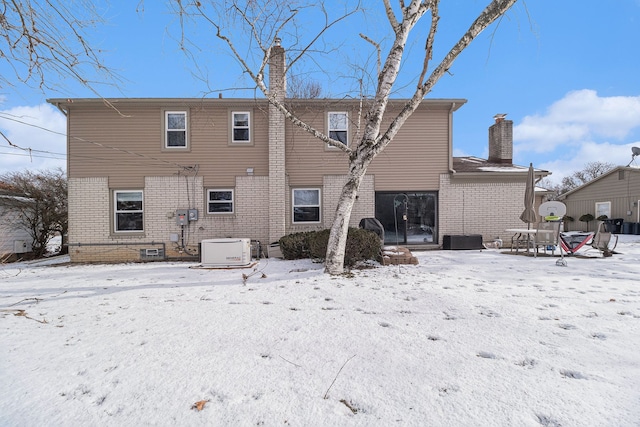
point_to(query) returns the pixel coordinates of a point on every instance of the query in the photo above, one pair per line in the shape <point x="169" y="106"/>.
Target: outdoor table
<point x="529" y="232"/>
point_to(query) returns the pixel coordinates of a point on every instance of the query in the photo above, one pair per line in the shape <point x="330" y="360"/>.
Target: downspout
<point x="65" y="112"/>
<point x="453" y="106"/>
<point x="62" y="110"/>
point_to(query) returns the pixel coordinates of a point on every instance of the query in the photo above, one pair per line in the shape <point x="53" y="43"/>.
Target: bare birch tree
<point x="43" y="42"/>
<point x="267" y="20"/>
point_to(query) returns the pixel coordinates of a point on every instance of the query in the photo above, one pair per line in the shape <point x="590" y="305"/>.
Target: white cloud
<point x="579" y="117"/>
<point x="619" y="155"/>
<point x="28" y="128"/>
<point x="581" y="127"/>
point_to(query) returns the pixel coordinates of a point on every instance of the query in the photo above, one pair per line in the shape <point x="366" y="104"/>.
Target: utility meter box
<point x="182" y="217"/>
<point x="193" y="214"/>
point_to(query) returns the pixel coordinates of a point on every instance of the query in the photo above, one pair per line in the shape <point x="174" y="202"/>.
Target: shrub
<point x="296" y="245"/>
<point x="361" y="245"/>
<point x="586" y="218"/>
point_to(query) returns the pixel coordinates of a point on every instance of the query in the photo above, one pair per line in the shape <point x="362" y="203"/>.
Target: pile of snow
<point x="464" y="338"/>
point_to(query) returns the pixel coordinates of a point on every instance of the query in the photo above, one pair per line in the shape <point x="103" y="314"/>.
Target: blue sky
<point x="566" y="72"/>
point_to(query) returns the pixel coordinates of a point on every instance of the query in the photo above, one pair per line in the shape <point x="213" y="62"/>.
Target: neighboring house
<point x="615" y="194"/>
<point x="15" y="241"/>
<point x="152" y="178"/>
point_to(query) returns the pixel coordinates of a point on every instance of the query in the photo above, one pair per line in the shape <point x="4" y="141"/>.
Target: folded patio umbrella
<point x="529" y="214"/>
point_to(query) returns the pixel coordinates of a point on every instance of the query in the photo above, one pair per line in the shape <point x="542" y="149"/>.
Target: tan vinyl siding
<point x="128" y="144"/>
<point x="417" y="156"/>
<point x="622" y="193"/>
<point x="307" y="158"/>
<point x="413" y="161"/>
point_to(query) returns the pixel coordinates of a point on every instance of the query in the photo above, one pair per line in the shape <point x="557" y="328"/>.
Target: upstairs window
<point x="220" y="201"/>
<point x="175" y="129"/>
<point x="241" y="126"/>
<point x="128" y="211"/>
<point x="306" y="205"/>
<point x="338" y="127"/>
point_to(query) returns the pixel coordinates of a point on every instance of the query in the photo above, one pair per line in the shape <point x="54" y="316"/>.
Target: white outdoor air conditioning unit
<point x="225" y="252"/>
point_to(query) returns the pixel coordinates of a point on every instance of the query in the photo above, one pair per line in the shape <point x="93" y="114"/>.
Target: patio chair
<point x="572" y="241"/>
<point x="546" y="237"/>
<point x="602" y="240"/>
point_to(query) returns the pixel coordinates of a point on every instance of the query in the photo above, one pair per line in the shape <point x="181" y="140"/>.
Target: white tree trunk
<point x="373" y="142"/>
<point x="334" y="261"/>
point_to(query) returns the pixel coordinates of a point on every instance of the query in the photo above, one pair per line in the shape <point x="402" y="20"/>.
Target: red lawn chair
<point x="572" y="241"/>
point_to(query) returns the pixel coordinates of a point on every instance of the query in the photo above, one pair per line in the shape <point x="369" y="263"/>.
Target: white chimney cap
<point x="500" y="117"/>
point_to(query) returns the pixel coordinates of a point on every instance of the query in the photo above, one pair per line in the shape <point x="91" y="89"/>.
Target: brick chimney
<point x="501" y="140"/>
<point x="277" y="68"/>
<point x="277" y="177"/>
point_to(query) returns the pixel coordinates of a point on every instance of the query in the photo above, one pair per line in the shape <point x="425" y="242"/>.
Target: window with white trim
<point x="175" y="123"/>
<point x="128" y="211"/>
<point x="306" y="205"/>
<point x="338" y="126"/>
<point x="603" y="208"/>
<point x="241" y="127"/>
<point x="220" y="201"/>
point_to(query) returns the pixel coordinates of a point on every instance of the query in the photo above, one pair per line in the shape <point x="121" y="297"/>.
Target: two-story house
<point x="152" y="178"/>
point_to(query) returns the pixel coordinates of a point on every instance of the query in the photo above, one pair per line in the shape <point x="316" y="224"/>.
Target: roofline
<point x="65" y="102"/>
<point x="616" y="169"/>
<point x="493" y="174"/>
<point x="541" y="173"/>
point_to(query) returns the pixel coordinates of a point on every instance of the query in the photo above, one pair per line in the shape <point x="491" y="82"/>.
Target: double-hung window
<point x="306" y="205"/>
<point x="241" y="127"/>
<point x="338" y="126"/>
<point x="128" y="211"/>
<point x="220" y="201"/>
<point x="175" y="129"/>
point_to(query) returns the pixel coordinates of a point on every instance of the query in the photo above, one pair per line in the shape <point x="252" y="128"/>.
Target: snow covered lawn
<point x="465" y="338"/>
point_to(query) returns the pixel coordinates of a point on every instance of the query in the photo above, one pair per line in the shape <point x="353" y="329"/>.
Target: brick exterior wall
<point x="90" y="213"/>
<point x="471" y="208"/>
<point x="364" y="207"/>
<point x="277" y="177"/>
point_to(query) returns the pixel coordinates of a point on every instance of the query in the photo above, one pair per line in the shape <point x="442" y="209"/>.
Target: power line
<point x="78" y="157"/>
<point x="39" y="156"/>
<point x="132" y="153"/>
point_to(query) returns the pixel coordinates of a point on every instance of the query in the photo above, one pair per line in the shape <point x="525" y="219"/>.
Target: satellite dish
<point x="635" y="151"/>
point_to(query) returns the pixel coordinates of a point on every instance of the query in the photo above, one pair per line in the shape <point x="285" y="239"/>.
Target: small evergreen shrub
<point x="586" y="217"/>
<point x="295" y="245"/>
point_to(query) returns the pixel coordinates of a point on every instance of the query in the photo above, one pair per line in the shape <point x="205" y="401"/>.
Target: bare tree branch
<point x="42" y="39"/>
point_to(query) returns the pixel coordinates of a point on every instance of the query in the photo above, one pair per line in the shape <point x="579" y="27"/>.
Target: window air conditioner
<point x="225" y="252"/>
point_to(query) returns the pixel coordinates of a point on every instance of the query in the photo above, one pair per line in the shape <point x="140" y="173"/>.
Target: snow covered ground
<point x="465" y="338"/>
